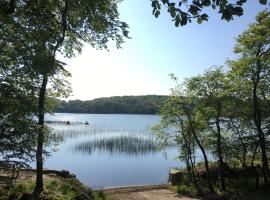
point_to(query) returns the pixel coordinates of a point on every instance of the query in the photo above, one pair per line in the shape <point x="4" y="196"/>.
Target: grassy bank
<point x="54" y="189"/>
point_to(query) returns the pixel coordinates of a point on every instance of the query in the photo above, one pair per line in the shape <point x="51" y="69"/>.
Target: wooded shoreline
<point x="145" y="104"/>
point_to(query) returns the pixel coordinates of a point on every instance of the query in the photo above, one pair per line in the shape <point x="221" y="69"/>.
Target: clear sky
<point x="156" y="49"/>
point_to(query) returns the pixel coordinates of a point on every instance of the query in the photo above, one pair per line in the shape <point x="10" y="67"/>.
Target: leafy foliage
<point x="184" y="11"/>
<point x="226" y="113"/>
<point x="34" y="32"/>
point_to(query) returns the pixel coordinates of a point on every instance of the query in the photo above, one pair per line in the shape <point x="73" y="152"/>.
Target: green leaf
<point x="237" y="11"/>
<point x="157" y="13"/>
<point x="183" y="19"/>
<point x="263" y="2"/>
<point x="173" y="13"/>
<point x="204" y="17"/>
<point x="206" y="3"/>
<point x="199" y="20"/>
<point x="240" y="2"/>
<point x="227" y="15"/>
<point x="194" y="10"/>
<point x="177" y="21"/>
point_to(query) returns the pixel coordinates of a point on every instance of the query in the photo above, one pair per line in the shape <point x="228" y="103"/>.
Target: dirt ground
<point x="145" y="193"/>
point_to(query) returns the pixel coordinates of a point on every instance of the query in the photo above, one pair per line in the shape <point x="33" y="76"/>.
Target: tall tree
<point x="46" y="28"/>
<point x="210" y="88"/>
<point x="181" y="109"/>
<point x="251" y="76"/>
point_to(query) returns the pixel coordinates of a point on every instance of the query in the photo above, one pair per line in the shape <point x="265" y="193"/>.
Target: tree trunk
<point x="187" y="144"/>
<point x="209" y="183"/>
<point x="261" y="135"/>
<point x="254" y="153"/>
<point x="219" y="150"/>
<point x="40" y="140"/>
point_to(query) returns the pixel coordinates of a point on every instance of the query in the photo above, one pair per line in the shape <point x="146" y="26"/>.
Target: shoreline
<point x="28" y="174"/>
<point x="135" y="188"/>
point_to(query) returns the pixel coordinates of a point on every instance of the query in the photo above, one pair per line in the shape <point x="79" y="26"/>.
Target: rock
<point x="175" y="176"/>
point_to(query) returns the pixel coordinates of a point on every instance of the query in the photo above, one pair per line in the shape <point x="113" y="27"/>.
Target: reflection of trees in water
<point x="125" y="145"/>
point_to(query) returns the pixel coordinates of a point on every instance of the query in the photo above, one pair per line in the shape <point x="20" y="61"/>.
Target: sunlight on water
<point x="113" y="150"/>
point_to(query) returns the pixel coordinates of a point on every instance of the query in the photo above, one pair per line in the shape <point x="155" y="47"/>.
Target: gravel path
<point x="158" y="194"/>
<point x="145" y="193"/>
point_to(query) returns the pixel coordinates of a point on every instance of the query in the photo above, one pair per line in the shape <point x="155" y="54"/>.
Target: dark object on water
<point x="68" y="122"/>
<point x="86" y="123"/>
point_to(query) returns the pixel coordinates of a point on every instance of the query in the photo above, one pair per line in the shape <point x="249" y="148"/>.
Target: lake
<point x="112" y="150"/>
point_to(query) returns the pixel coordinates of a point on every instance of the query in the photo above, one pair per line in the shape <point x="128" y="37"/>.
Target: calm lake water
<point x="113" y="150"/>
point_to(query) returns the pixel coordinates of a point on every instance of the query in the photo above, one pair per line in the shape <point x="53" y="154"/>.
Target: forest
<point x="222" y="117"/>
<point x="148" y="104"/>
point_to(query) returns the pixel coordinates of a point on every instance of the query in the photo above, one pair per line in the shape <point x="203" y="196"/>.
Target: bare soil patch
<point x="160" y="192"/>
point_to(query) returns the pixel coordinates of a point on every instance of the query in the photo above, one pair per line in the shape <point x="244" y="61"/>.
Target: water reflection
<point x="74" y="131"/>
<point x="121" y="145"/>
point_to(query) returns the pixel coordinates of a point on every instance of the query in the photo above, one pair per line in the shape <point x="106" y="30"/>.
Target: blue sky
<point x="156" y="49"/>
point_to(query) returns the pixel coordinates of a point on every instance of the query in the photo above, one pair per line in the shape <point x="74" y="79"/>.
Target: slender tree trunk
<point x="40" y="140"/>
<point x="209" y="183"/>
<point x="42" y="94"/>
<point x="254" y="153"/>
<point x="261" y="135"/>
<point x="187" y="144"/>
<point x="219" y="150"/>
<point x="220" y="160"/>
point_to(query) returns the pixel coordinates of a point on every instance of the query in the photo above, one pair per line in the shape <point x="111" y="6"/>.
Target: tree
<point x="242" y="144"/>
<point x="45" y="28"/>
<point x="181" y="113"/>
<point x="210" y="88"/>
<point x="227" y="112"/>
<point x="147" y="104"/>
<point x="184" y="11"/>
<point x="17" y="126"/>
<point x="251" y="76"/>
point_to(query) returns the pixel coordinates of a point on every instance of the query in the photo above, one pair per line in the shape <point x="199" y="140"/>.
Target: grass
<point x="186" y="190"/>
<point x="54" y="189"/>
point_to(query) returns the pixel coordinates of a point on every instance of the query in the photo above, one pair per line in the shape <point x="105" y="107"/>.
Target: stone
<point x="175" y="176"/>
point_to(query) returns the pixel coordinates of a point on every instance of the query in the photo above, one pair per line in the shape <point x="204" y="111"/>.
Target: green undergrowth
<point x="242" y="188"/>
<point x="237" y="189"/>
<point x="54" y="189"/>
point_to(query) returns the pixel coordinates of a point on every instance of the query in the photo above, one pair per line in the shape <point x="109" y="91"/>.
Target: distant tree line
<point x="148" y="104"/>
